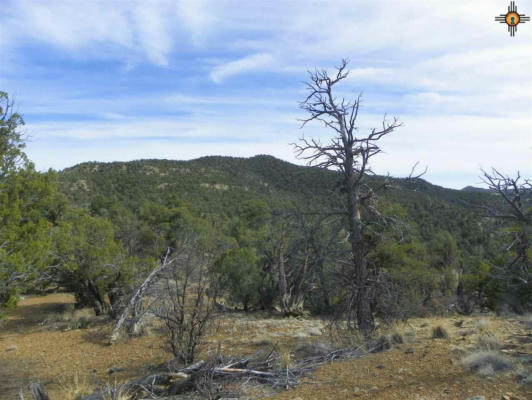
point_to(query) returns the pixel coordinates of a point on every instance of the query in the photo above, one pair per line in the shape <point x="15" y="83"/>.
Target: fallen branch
<point x="136" y="298"/>
<point x="266" y="368"/>
<point x="37" y="391"/>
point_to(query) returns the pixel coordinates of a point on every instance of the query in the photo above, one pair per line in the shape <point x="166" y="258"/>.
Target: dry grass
<point x="382" y="343"/>
<point x="75" y="386"/>
<point x="120" y="393"/>
<point x="67" y="318"/>
<point x="484" y="325"/>
<point x="488" y="342"/>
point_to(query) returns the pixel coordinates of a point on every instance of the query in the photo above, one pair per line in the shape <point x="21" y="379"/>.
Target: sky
<point x="122" y="80"/>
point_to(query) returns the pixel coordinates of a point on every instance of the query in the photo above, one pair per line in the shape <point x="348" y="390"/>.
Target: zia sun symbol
<point x="512" y="18"/>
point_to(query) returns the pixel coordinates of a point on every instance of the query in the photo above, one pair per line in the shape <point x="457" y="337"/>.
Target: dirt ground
<point x="427" y="369"/>
<point x="420" y="368"/>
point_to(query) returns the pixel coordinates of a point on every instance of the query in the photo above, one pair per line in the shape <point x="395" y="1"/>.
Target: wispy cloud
<point x="245" y="64"/>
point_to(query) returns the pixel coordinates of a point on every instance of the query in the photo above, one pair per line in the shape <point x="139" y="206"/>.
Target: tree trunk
<point x="283" y="285"/>
<point x="362" y="297"/>
<point x="99" y="304"/>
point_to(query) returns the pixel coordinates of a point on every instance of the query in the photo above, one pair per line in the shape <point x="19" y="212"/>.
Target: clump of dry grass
<point x="75" y="386"/>
<point x="488" y="363"/>
<point x="488" y="342"/>
<point x="116" y="393"/>
<point x="484" y="325"/>
<point x="440" y="332"/>
<point x="70" y="319"/>
<point x="340" y="336"/>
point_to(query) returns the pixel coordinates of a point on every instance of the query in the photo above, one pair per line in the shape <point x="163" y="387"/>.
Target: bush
<point x="485" y="361"/>
<point x="237" y="271"/>
<point x="382" y="343"/>
<point x="440" y="332"/>
<point x="187" y="309"/>
<point x="397" y="338"/>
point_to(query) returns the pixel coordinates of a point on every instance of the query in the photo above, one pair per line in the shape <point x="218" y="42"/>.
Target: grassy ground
<point x="46" y="340"/>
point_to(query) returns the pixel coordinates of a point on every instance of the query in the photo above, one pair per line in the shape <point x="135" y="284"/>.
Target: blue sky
<point x="122" y="80"/>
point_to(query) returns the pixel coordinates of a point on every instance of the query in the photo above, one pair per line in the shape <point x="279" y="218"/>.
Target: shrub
<point x="313" y="349"/>
<point x="382" y="343"/>
<point x="486" y="361"/>
<point x="439" y="332"/>
<point x="237" y="271"/>
<point x="187" y="303"/>
<point x="397" y="338"/>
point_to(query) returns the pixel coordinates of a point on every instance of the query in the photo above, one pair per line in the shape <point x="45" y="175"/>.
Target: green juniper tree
<point x="28" y="208"/>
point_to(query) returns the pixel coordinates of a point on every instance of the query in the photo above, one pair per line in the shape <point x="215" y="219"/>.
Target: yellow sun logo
<point x="512" y="18"/>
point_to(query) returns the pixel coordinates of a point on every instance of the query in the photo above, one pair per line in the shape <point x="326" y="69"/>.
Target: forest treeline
<point x="98" y="229"/>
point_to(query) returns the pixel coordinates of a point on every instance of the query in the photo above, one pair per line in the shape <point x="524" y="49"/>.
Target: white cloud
<point x="246" y="64"/>
<point x="462" y="86"/>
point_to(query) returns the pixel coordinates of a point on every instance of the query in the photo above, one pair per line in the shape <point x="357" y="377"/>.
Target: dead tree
<point x="289" y="256"/>
<point x="515" y="209"/>
<point x="293" y="269"/>
<point x="349" y="152"/>
<point x="134" y="312"/>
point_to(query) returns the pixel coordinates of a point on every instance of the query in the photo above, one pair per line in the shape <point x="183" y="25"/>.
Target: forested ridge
<point x="447" y="239"/>
<point x="222" y="185"/>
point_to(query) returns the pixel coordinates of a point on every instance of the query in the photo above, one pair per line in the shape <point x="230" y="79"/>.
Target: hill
<point x="220" y="185"/>
<point x="211" y="182"/>
<point x="207" y="184"/>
